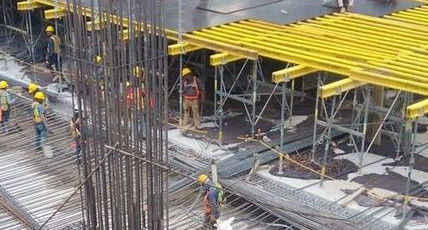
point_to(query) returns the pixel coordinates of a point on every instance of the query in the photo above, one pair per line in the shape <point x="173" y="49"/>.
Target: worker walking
<point x="39" y="120"/>
<point x="5" y="102"/>
<point x="76" y="134"/>
<point x="193" y="95"/>
<point x="213" y="198"/>
<point x="53" y="56"/>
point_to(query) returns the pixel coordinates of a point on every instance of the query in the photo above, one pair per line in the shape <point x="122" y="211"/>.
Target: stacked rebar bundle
<point x="122" y="192"/>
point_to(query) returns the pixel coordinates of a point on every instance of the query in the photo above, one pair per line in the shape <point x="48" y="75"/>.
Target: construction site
<point x="220" y="114"/>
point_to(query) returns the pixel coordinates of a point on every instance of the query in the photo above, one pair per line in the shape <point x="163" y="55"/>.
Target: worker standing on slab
<point x="213" y="197"/>
<point x="39" y="120"/>
<point x="193" y="95"/>
<point x="135" y="96"/>
<point x="33" y="89"/>
<point x="53" y="56"/>
<point x="5" y="102"/>
<point x="345" y="5"/>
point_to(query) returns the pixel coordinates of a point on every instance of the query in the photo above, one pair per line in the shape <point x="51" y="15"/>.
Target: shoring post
<point x="281" y="156"/>
<point x="314" y="137"/>
<point x="214" y="172"/>
<point x="220" y="128"/>
<point x="291" y="101"/>
<point x="328" y="140"/>
<point x="180" y="94"/>
<point x="366" y="114"/>
<point x="411" y="161"/>
<point x="253" y="114"/>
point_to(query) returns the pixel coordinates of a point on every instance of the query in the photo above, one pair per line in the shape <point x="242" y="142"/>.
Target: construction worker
<point x="5" y="102"/>
<point x="135" y="99"/>
<point x="53" y="56"/>
<point x="100" y="69"/>
<point x="345" y="5"/>
<point x="39" y="120"/>
<point x="33" y="89"/>
<point x="193" y="95"/>
<point x="76" y="134"/>
<point x="213" y="197"/>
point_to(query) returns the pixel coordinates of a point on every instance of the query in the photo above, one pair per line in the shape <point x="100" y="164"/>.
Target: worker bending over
<point x="39" y="120"/>
<point x="5" y="102"/>
<point x="213" y="197"/>
<point x="193" y="95"/>
<point x="53" y="56"/>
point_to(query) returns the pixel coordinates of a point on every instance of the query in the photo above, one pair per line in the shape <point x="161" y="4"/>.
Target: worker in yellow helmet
<point x="33" y="88"/>
<point x="39" y="119"/>
<point x="193" y="94"/>
<point x="53" y="56"/>
<point x="5" y="102"/>
<point x="213" y="197"/>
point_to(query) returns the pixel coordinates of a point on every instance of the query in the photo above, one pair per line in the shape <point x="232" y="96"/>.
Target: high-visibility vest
<point x="191" y="90"/>
<point x="4" y="105"/>
<point x="37" y="117"/>
<point x="57" y="43"/>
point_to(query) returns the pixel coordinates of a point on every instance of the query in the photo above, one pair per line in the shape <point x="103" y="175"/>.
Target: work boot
<point x="342" y="10"/>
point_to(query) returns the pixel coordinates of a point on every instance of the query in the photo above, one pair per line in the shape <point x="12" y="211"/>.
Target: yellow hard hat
<point x="98" y="59"/>
<point x="185" y="71"/>
<point x="32" y="88"/>
<point x="3" y="85"/>
<point x="137" y="71"/>
<point x="49" y="29"/>
<point x="202" y="179"/>
<point x="128" y="83"/>
<point x="39" y="96"/>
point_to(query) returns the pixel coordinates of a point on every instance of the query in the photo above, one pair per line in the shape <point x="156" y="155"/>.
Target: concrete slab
<point x="281" y="12"/>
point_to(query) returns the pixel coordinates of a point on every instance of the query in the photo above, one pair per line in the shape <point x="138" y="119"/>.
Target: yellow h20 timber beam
<point x="416" y="110"/>
<point x="28" y="5"/>
<point x="95" y="25"/>
<point x="291" y="73"/>
<point x="181" y="48"/>
<point x="338" y="87"/>
<point x="223" y="58"/>
<point x="55" y="13"/>
<point x="220" y="46"/>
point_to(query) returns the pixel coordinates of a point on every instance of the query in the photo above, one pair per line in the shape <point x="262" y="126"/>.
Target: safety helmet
<point x="128" y="83"/>
<point x="50" y="29"/>
<point x="98" y="59"/>
<point x="137" y="71"/>
<point x="3" y="85"/>
<point x="185" y="71"/>
<point x="32" y="88"/>
<point x="39" y="96"/>
<point x="202" y="179"/>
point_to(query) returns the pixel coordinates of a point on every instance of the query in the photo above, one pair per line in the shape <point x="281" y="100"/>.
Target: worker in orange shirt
<point x="193" y="95"/>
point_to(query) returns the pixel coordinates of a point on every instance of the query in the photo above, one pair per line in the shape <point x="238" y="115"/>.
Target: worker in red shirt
<point x="193" y="95"/>
<point x="135" y="96"/>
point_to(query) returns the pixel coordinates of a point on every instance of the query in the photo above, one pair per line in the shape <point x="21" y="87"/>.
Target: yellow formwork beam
<point x="95" y="25"/>
<point x="417" y="110"/>
<point x="388" y="81"/>
<point x="55" y="13"/>
<point x="294" y="72"/>
<point x="181" y="48"/>
<point x="222" y="59"/>
<point x="220" y="46"/>
<point x="338" y="87"/>
<point x="28" y="5"/>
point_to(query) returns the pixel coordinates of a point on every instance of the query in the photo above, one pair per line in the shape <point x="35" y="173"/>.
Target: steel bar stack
<point x="122" y="192"/>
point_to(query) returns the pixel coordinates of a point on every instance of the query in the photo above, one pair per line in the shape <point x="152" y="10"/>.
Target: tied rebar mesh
<point x="125" y="192"/>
